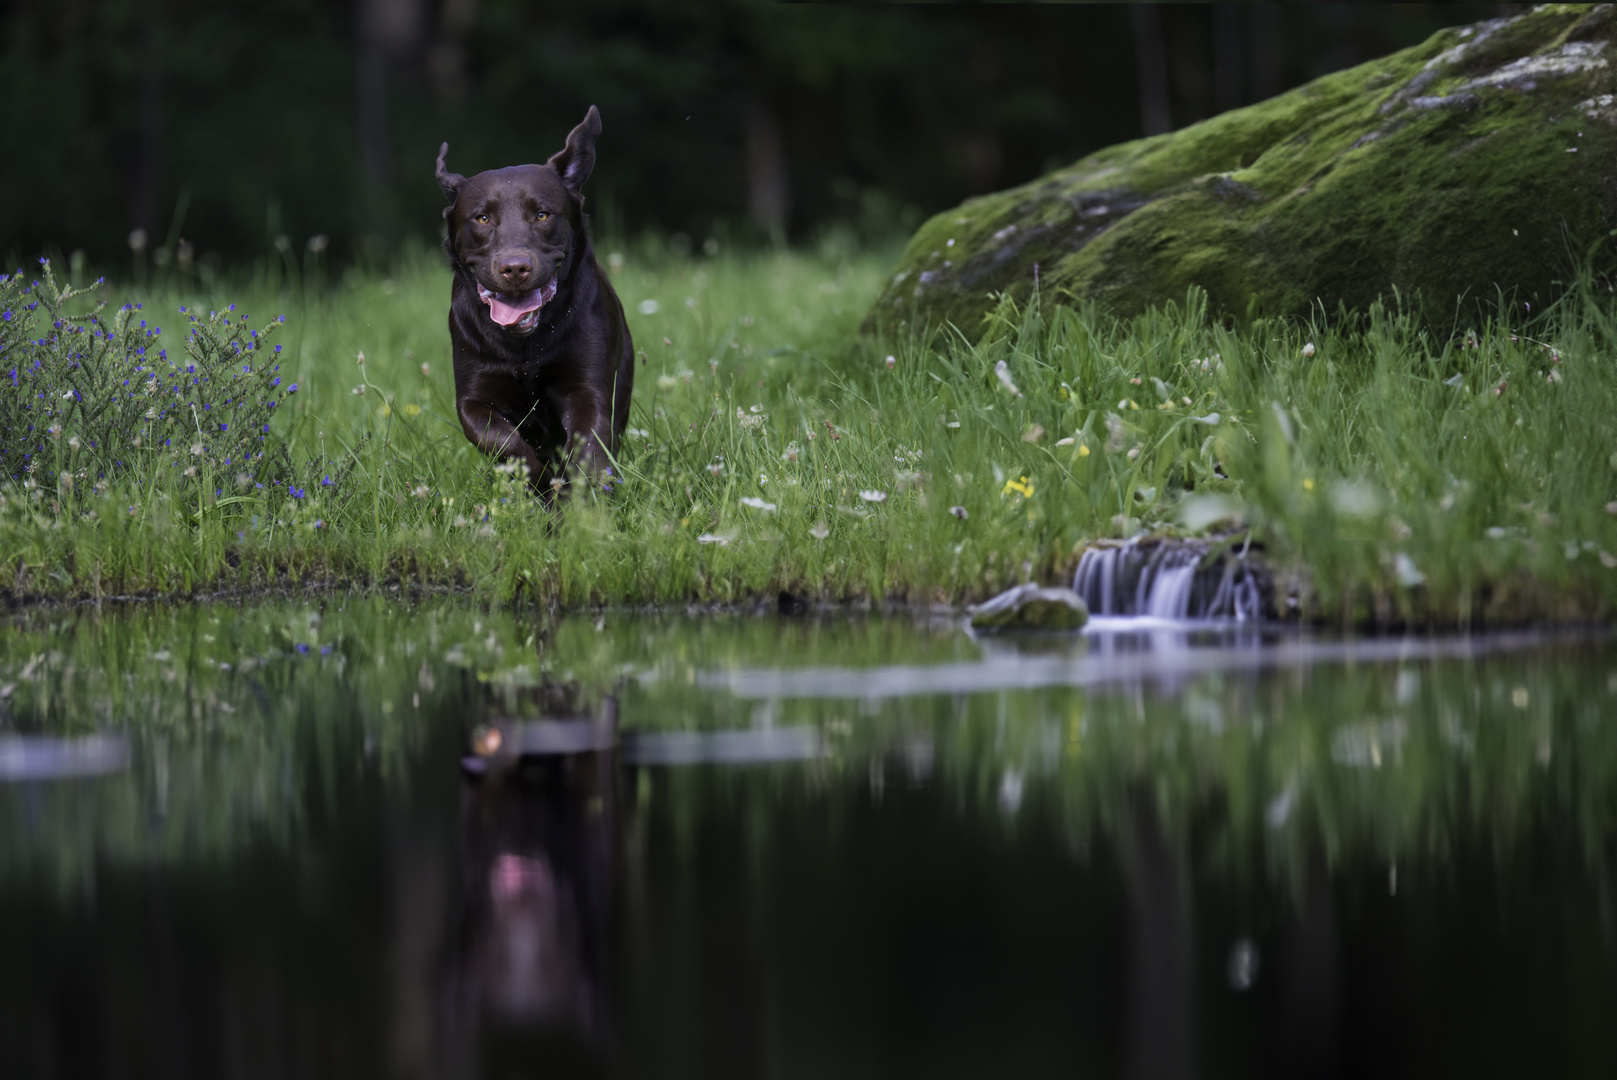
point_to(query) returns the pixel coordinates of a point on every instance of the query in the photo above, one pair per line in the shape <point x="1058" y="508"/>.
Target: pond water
<point x="364" y="838"/>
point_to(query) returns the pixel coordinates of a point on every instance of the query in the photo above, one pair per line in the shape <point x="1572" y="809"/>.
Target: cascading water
<point x="1166" y="579"/>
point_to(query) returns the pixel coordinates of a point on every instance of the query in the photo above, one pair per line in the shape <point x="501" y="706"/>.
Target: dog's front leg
<point x="589" y="435"/>
<point x="497" y="437"/>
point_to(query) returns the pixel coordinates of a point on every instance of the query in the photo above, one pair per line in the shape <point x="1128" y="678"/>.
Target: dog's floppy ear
<point x="575" y="161"/>
<point x="447" y="180"/>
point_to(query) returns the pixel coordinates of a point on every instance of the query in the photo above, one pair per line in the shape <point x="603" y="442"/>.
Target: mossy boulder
<point x="1484" y="159"/>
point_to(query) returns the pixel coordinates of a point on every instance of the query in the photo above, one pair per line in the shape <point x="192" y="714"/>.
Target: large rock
<point x="1481" y="158"/>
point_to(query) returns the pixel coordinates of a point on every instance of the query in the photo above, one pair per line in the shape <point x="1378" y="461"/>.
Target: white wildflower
<point x="1115" y="434"/>
<point x="1002" y="371"/>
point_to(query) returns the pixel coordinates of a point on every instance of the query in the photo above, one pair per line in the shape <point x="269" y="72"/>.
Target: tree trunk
<point x="1266" y="71"/>
<point x="768" y="181"/>
<point x="388" y="30"/>
<point x="1152" y="60"/>
<point x="148" y="164"/>
<point x="1226" y="57"/>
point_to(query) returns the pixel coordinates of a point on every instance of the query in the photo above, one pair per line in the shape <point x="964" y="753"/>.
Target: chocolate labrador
<point x="543" y="361"/>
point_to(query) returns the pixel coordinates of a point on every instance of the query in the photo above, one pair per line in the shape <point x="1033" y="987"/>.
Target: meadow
<point x="1393" y="468"/>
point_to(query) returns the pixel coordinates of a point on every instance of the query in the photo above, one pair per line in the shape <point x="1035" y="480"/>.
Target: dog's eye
<point x="541" y="215"/>
<point x="481" y="219"/>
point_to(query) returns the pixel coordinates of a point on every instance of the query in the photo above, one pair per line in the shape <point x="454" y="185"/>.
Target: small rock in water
<point x="1031" y="607"/>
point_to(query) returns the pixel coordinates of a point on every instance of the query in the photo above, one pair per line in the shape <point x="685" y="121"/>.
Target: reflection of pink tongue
<point x="507" y="308"/>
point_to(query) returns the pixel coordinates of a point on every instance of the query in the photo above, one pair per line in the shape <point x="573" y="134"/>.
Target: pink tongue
<point x="505" y="312"/>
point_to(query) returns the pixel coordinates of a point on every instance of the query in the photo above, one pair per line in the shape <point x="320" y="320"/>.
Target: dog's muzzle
<point x="518" y="312"/>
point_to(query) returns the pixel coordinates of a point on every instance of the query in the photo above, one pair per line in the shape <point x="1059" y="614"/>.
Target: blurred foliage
<point x="232" y="133"/>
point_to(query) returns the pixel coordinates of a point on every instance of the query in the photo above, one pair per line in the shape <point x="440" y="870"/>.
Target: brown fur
<point x="555" y="397"/>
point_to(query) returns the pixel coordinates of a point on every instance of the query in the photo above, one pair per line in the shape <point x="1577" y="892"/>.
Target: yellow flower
<point x="1308" y="484"/>
<point x="412" y="409"/>
<point x="1024" y="485"/>
<point x="1083" y="450"/>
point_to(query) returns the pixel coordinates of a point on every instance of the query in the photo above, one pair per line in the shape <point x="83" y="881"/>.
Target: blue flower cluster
<point x="99" y="395"/>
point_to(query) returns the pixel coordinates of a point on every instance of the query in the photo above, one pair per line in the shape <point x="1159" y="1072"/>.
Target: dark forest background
<point x="218" y="132"/>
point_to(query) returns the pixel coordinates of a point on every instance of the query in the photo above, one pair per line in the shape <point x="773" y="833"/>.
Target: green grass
<point x="1388" y="477"/>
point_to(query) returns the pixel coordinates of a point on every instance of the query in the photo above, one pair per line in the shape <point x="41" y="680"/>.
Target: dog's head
<point x="513" y="229"/>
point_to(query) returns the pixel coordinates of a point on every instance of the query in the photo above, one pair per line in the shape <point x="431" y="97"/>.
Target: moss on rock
<point x="1483" y="159"/>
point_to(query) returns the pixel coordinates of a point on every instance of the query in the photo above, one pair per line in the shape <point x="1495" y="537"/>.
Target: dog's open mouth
<point x="517" y="311"/>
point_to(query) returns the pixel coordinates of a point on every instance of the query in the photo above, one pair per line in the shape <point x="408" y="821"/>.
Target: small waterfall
<point x="1166" y="579"/>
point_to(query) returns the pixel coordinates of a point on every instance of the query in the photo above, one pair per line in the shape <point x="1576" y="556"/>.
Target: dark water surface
<point x="263" y="842"/>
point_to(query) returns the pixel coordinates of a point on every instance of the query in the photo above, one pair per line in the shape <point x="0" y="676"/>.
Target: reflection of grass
<point x="1395" y="475"/>
<point x="255" y="725"/>
<point x="243" y="726"/>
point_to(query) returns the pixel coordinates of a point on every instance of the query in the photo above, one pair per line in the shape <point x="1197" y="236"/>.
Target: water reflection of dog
<point x="527" y="964"/>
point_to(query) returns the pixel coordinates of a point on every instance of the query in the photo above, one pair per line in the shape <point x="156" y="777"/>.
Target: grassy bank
<point x="1393" y="473"/>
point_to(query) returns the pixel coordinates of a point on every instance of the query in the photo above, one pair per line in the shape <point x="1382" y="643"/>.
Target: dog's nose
<point x="516" y="270"/>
